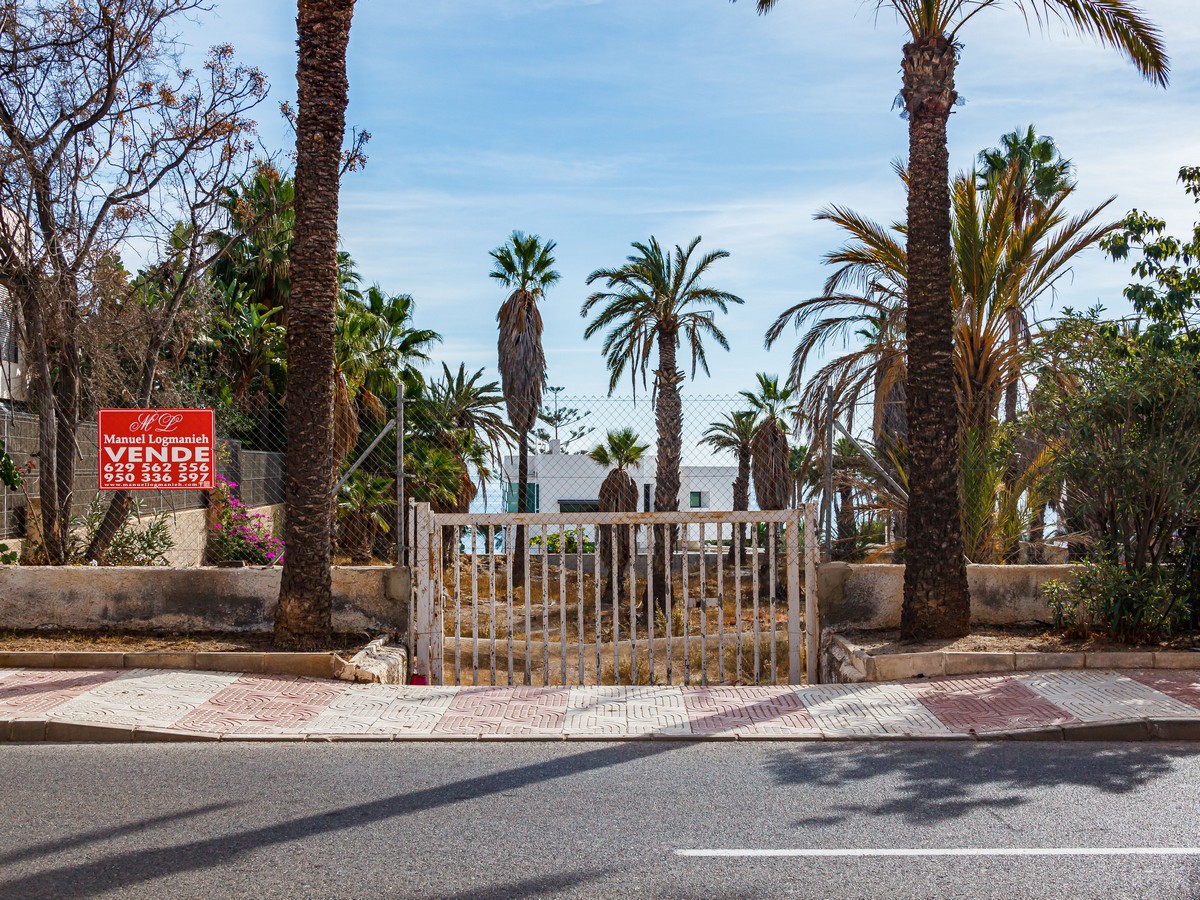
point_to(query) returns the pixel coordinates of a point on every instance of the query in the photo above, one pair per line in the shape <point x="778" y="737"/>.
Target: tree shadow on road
<point x="952" y="780"/>
<point x="123" y="870"/>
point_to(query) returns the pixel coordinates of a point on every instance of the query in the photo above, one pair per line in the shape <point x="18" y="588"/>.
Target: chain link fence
<point x="1007" y="491"/>
<point x="585" y="454"/>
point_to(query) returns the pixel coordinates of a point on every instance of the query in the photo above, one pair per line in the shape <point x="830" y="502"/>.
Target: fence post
<point x="401" y="531"/>
<point x="423" y="592"/>
<point x="793" y="583"/>
<point x="812" y="609"/>
<point x="828" y="471"/>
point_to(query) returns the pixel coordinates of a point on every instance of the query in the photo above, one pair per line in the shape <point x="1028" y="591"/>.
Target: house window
<point x="699" y="500"/>
<point x="578" y="506"/>
<point x="531" y="495"/>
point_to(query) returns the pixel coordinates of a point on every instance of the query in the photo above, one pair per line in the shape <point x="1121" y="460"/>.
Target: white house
<point x="570" y="482"/>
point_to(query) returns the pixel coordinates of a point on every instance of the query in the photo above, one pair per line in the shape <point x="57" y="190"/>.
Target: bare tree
<point x="112" y="144"/>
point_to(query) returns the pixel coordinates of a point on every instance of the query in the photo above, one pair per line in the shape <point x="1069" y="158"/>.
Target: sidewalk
<point x="155" y="704"/>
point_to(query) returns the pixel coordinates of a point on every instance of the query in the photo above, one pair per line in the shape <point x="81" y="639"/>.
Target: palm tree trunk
<point x="304" y="616"/>
<point x="668" y="417"/>
<point x="843" y="549"/>
<point x="936" y="599"/>
<point x="741" y="500"/>
<point x="522" y="507"/>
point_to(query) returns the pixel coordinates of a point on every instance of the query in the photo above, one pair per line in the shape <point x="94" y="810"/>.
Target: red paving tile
<point x="987" y="704"/>
<point x="1182" y="685"/>
<point x="257" y="704"/>
<point x="35" y="691"/>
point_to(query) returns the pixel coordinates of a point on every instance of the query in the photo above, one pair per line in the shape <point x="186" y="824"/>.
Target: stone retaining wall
<point x="869" y="597"/>
<point x="368" y="599"/>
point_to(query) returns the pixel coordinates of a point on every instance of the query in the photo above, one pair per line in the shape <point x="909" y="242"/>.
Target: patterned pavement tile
<point x="774" y="711"/>
<point x="1182" y="685"/>
<point x="1103" y="696"/>
<point x="987" y="704"/>
<point x="262" y="704"/>
<point x="157" y="698"/>
<point x="382" y="709"/>
<point x="846" y="710"/>
<point x="35" y="691"/>
<point x="626" y="710"/>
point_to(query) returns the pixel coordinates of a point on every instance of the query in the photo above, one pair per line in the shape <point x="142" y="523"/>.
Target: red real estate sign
<point x="157" y="450"/>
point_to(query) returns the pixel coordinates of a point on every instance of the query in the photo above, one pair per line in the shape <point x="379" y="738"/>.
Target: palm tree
<point x="733" y="434"/>
<point x="769" y="461"/>
<point x="936" y="600"/>
<point x="375" y="347"/>
<point x="769" y="446"/>
<point x="1039" y="174"/>
<point x="525" y="266"/>
<point x="655" y="301"/>
<point x="360" y="511"/>
<point x="303" y="619"/>
<point x="618" y="493"/>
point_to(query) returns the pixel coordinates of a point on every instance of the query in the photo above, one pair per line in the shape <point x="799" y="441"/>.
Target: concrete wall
<point x="369" y="599"/>
<point x="856" y="596"/>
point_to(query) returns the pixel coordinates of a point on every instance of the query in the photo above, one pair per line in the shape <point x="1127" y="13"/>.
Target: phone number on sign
<point x="157" y="473"/>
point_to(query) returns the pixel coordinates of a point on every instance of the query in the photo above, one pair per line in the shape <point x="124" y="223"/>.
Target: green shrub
<point x="1117" y="601"/>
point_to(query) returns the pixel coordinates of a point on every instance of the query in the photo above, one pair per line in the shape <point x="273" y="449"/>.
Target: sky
<point x="600" y="122"/>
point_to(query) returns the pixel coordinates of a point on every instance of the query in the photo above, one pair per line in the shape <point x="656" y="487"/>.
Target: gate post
<point x="793" y="589"/>
<point x="812" y="610"/>
<point x="422" y="626"/>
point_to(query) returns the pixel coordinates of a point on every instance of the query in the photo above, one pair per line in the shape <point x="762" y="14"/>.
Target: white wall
<point x="574" y="476"/>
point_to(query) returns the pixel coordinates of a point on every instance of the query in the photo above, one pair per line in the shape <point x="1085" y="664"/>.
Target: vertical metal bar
<point x="615" y="580"/>
<point x="670" y="596"/>
<point x="524" y="551"/>
<point x="474" y="604"/>
<point x="438" y="629"/>
<point x="687" y="623"/>
<point x="793" y="583"/>
<point x="579" y="535"/>
<point x="457" y="604"/>
<point x="598" y="606"/>
<point x="633" y="650"/>
<point x="773" y="531"/>
<point x="737" y="608"/>
<point x="812" y="609"/>
<point x="412" y="595"/>
<point x="720" y="606"/>
<point x="401" y="533"/>
<point x="510" y="600"/>
<point x="545" y="605"/>
<point x="650" y="609"/>
<point x="754" y="601"/>
<point x="562" y="599"/>
<point x="491" y="552"/>
<point x="703" y="604"/>
<point x="829" y="471"/>
<point x="422" y="662"/>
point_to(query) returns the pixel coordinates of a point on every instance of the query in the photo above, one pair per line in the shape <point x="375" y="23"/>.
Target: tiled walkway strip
<point x="231" y="705"/>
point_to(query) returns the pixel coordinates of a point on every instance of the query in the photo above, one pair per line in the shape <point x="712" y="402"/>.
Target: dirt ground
<point x="50" y="640"/>
<point x="1036" y="639"/>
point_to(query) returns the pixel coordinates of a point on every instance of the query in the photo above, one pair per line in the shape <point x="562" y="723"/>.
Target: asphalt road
<point x="595" y="820"/>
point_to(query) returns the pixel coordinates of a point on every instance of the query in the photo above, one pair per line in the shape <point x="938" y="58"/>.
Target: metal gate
<point x="613" y="598"/>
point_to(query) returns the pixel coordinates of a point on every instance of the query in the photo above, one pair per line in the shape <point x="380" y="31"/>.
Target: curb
<point x="58" y="731"/>
<point x="313" y="665"/>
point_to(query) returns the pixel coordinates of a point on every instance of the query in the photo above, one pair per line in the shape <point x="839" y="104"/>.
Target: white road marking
<point x="953" y="851"/>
